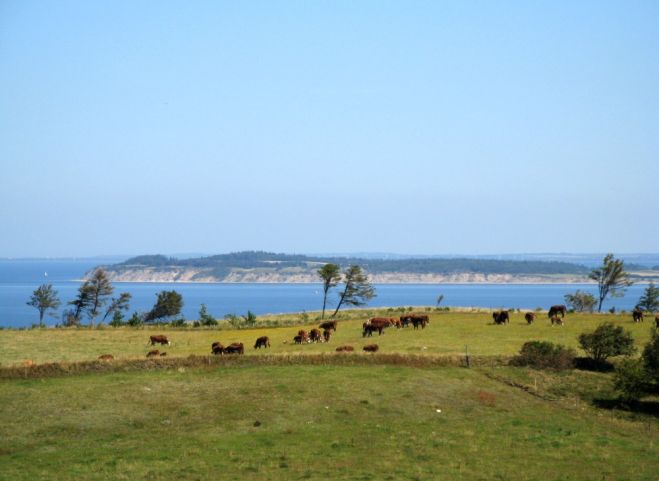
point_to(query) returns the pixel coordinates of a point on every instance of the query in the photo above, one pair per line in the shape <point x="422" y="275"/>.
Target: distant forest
<point x="221" y="265"/>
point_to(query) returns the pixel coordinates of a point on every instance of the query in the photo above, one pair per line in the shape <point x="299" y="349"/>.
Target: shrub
<point x="650" y="357"/>
<point x="607" y="341"/>
<point x="117" y="319"/>
<point x="580" y="301"/>
<point x="545" y="355"/>
<point x="178" y="323"/>
<point x="205" y="319"/>
<point x="630" y="379"/>
<point x="136" y="320"/>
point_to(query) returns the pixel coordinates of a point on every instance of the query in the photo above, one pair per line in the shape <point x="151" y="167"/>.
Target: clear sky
<point x="473" y="127"/>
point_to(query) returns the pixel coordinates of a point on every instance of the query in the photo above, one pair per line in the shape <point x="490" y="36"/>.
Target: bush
<point x="545" y="355"/>
<point x="117" y="319"/>
<point x="630" y="379"/>
<point x="650" y="358"/>
<point x="580" y="301"/>
<point x="178" y="323"/>
<point x="205" y="319"/>
<point x="607" y="341"/>
<point x="136" y="320"/>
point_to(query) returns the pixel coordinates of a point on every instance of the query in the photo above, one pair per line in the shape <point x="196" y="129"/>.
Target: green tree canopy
<point x="118" y="304"/>
<point x="649" y="301"/>
<point x="611" y="278"/>
<point x="581" y="301"/>
<point x="44" y="298"/>
<point x="357" y="290"/>
<point x="168" y="304"/>
<point x="331" y="276"/>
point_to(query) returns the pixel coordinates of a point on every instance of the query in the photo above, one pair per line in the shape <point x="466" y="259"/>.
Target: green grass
<point x="447" y="334"/>
<point x="317" y="422"/>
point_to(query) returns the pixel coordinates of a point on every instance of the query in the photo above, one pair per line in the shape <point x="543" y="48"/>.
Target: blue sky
<point x="411" y="127"/>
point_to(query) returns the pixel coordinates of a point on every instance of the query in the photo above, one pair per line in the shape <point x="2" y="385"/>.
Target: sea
<point x="19" y="278"/>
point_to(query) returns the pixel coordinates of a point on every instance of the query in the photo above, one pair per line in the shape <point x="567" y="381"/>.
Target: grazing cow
<point x="556" y="320"/>
<point x="328" y="325"/>
<point x="637" y="314"/>
<point x="163" y="354"/>
<point x="326" y="335"/>
<point x="404" y="320"/>
<point x="420" y="320"/>
<point x="375" y="324"/>
<point x="303" y="334"/>
<point x="315" y="335"/>
<point x="530" y="317"/>
<point x="235" y="348"/>
<point x="298" y="339"/>
<point x="395" y="322"/>
<point x="555" y="310"/>
<point x="159" y="339"/>
<point x="501" y="317"/>
<point x="153" y="353"/>
<point x="263" y="341"/>
<point x="371" y="348"/>
<point x="28" y="363"/>
<point x="105" y="357"/>
<point x="345" y="349"/>
<point x="217" y="348"/>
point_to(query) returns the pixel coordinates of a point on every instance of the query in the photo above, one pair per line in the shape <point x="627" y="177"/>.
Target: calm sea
<point x="18" y="278"/>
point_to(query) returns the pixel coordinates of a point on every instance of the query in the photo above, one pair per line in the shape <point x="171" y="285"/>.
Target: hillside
<point x="252" y="266"/>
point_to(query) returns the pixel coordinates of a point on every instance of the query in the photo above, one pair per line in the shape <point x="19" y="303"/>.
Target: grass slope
<point x="316" y="422"/>
<point x="447" y="334"/>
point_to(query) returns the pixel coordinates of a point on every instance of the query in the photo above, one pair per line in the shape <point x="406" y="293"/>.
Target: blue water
<point x="19" y="278"/>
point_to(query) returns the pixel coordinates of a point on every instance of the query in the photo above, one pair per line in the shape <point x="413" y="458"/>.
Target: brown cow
<point x="395" y="322"/>
<point x="326" y="335"/>
<point x="105" y="357"/>
<point x="656" y="322"/>
<point x="263" y="341"/>
<point x="637" y="314"/>
<point x="345" y="349"/>
<point x="371" y="348"/>
<point x="163" y="354"/>
<point x="235" y="348"/>
<point x="556" y="320"/>
<point x="153" y="353"/>
<point x="375" y="324"/>
<point x="328" y="325"/>
<point x="420" y="320"/>
<point x="501" y="317"/>
<point x="405" y="320"/>
<point x="315" y="335"/>
<point x="298" y="339"/>
<point x="217" y="348"/>
<point x="530" y="317"/>
<point x="28" y="363"/>
<point x="159" y="339"/>
<point x="557" y="309"/>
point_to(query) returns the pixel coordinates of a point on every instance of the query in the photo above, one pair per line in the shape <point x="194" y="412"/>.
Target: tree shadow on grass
<point x="589" y="364"/>
<point x="649" y="408"/>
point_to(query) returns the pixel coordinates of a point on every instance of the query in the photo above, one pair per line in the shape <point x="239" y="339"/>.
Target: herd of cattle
<point x="324" y="331"/>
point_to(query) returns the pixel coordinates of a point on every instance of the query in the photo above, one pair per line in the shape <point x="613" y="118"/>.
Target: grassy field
<point x="447" y="334"/>
<point x="314" y="422"/>
<point x="305" y="412"/>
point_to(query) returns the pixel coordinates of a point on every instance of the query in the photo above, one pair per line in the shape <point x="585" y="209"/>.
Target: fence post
<point x="467" y="356"/>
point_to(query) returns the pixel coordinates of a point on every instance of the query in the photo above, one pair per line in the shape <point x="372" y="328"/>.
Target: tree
<point x="117" y="319"/>
<point x="357" y="290"/>
<point x="650" y="357"/>
<point x="44" y="298"/>
<point x="607" y="341"/>
<point x="581" y="301"/>
<point x="649" y="301"/>
<point x="118" y="304"/>
<point x="440" y="298"/>
<point x="99" y="289"/>
<point x="205" y="319"/>
<point x="611" y="278"/>
<point x="331" y="276"/>
<point x="80" y="304"/>
<point x="168" y="304"/>
<point x="249" y="319"/>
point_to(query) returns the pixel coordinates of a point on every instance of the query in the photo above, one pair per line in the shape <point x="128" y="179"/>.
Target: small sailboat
<point x="45" y="274"/>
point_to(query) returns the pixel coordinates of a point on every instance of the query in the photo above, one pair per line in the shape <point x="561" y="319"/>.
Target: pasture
<point x="304" y="412"/>
<point x="447" y="334"/>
